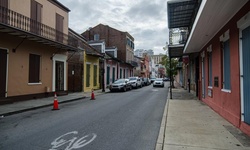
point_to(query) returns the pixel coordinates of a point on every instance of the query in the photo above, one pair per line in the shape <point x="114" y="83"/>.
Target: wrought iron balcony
<point x="133" y="63"/>
<point x="178" y="36"/>
<point x="11" y="19"/>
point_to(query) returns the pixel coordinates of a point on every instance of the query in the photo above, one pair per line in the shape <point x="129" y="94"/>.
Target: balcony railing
<point x="178" y="36"/>
<point x="19" y="21"/>
<point x="133" y="63"/>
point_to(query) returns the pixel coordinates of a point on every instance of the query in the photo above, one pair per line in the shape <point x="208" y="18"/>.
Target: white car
<point x="158" y="82"/>
<point x="135" y="82"/>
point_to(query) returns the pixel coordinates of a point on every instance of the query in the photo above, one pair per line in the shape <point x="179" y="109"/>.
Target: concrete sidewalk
<point x="190" y="124"/>
<point x="17" y="107"/>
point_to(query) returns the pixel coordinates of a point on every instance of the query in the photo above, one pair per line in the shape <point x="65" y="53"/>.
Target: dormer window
<point x="96" y="37"/>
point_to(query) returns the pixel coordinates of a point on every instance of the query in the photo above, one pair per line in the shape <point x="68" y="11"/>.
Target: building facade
<point x="33" y="49"/>
<point x="112" y="38"/>
<point x="222" y="63"/>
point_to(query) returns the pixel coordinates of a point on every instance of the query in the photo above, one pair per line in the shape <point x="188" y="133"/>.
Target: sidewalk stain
<point x="240" y="136"/>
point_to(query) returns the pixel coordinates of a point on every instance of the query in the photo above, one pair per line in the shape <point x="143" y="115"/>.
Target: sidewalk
<point x="190" y="124"/>
<point x="17" y="107"/>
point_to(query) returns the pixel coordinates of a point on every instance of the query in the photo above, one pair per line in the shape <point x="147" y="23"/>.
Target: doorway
<point x="59" y="76"/>
<point x="245" y="76"/>
<point x="3" y="72"/>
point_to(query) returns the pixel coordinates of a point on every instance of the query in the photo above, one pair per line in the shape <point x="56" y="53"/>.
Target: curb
<point x="161" y="136"/>
<point x="37" y="107"/>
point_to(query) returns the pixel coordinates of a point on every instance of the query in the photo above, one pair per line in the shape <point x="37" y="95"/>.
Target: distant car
<point x="166" y="79"/>
<point x="158" y="82"/>
<point x="135" y="82"/>
<point x="120" y="85"/>
<point x="152" y="80"/>
<point x="146" y="81"/>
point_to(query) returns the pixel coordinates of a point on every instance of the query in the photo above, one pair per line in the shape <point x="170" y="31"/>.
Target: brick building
<point x="123" y="41"/>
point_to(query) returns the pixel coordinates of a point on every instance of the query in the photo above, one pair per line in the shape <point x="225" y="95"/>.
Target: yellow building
<point x="91" y="70"/>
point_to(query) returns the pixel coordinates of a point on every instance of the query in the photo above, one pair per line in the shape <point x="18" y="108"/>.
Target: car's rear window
<point x="132" y="78"/>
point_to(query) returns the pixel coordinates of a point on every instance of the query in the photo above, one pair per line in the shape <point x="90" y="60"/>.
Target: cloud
<point x="145" y="20"/>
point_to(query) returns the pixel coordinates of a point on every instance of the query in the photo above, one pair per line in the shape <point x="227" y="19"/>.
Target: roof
<point x="181" y="13"/>
<point x="57" y="3"/>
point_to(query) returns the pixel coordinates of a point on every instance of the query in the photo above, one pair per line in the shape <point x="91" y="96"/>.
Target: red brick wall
<point x="112" y="37"/>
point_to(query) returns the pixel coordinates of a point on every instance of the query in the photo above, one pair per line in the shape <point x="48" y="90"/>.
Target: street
<point x="114" y="121"/>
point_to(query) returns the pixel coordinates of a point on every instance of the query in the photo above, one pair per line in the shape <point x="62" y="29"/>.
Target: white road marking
<point x="72" y="143"/>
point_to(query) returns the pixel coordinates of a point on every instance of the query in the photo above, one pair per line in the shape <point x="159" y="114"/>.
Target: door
<point x="108" y="74"/>
<point x="95" y="75"/>
<point x="197" y="75"/>
<point x="59" y="28"/>
<point x="36" y="17"/>
<point x="203" y="77"/>
<point x="246" y="72"/>
<point x="75" y="80"/>
<point x="3" y="72"/>
<point x="88" y="75"/>
<point x="113" y="75"/>
<point x="59" y="76"/>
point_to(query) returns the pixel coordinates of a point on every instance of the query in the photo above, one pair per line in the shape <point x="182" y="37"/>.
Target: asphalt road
<point x="114" y="121"/>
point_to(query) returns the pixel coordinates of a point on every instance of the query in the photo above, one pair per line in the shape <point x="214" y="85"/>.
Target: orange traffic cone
<point x="55" y="107"/>
<point x="92" y="95"/>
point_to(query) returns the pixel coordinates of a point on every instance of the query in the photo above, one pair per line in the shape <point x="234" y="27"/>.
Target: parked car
<point x="166" y="79"/>
<point x="158" y="82"/>
<point x="152" y="80"/>
<point x="146" y="81"/>
<point x="120" y="85"/>
<point x="135" y="82"/>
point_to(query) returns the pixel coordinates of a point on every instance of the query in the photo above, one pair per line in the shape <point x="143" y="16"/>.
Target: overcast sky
<point x="145" y="20"/>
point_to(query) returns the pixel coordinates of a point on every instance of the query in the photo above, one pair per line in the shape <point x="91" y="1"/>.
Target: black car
<point x="152" y="79"/>
<point x="146" y="81"/>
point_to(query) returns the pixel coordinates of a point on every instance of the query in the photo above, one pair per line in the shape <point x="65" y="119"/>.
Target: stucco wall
<point x="18" y="65"/>
<point x="92" y="61"/>
<point x="49" y="11"/>
<point x="227" y="104"/>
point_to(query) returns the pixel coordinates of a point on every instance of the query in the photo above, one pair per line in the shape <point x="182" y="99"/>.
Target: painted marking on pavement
<point x="71" y="141"/>
<point x="154" y="90"/>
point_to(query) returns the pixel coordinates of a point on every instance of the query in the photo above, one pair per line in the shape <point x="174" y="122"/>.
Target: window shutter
<point x="4" y="3"/>
<point x="34" y="68"/>
<point x="227" y="75"/>
<point x="59" y="28"/>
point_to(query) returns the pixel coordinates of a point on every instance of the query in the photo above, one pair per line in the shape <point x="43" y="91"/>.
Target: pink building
<point x="218" y="47"/>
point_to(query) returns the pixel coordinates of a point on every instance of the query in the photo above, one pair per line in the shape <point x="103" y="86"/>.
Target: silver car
<point x="135" y="82"/>
<point x="120" y="85"/>
<point x="158" y="82"/>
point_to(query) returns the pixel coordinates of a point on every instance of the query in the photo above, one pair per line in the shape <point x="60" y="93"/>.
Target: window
<point x="210" y="66"/>
<point x="96" y="37"/>
<point x="36" y="17"/>
<point x="210" y="78"/>
<point x="226" y="65"/>
<point x="95" y="75"/>
<point x="34" y="68"/>
<point x="59" y="28"/>
<point x="88" y="75"/>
